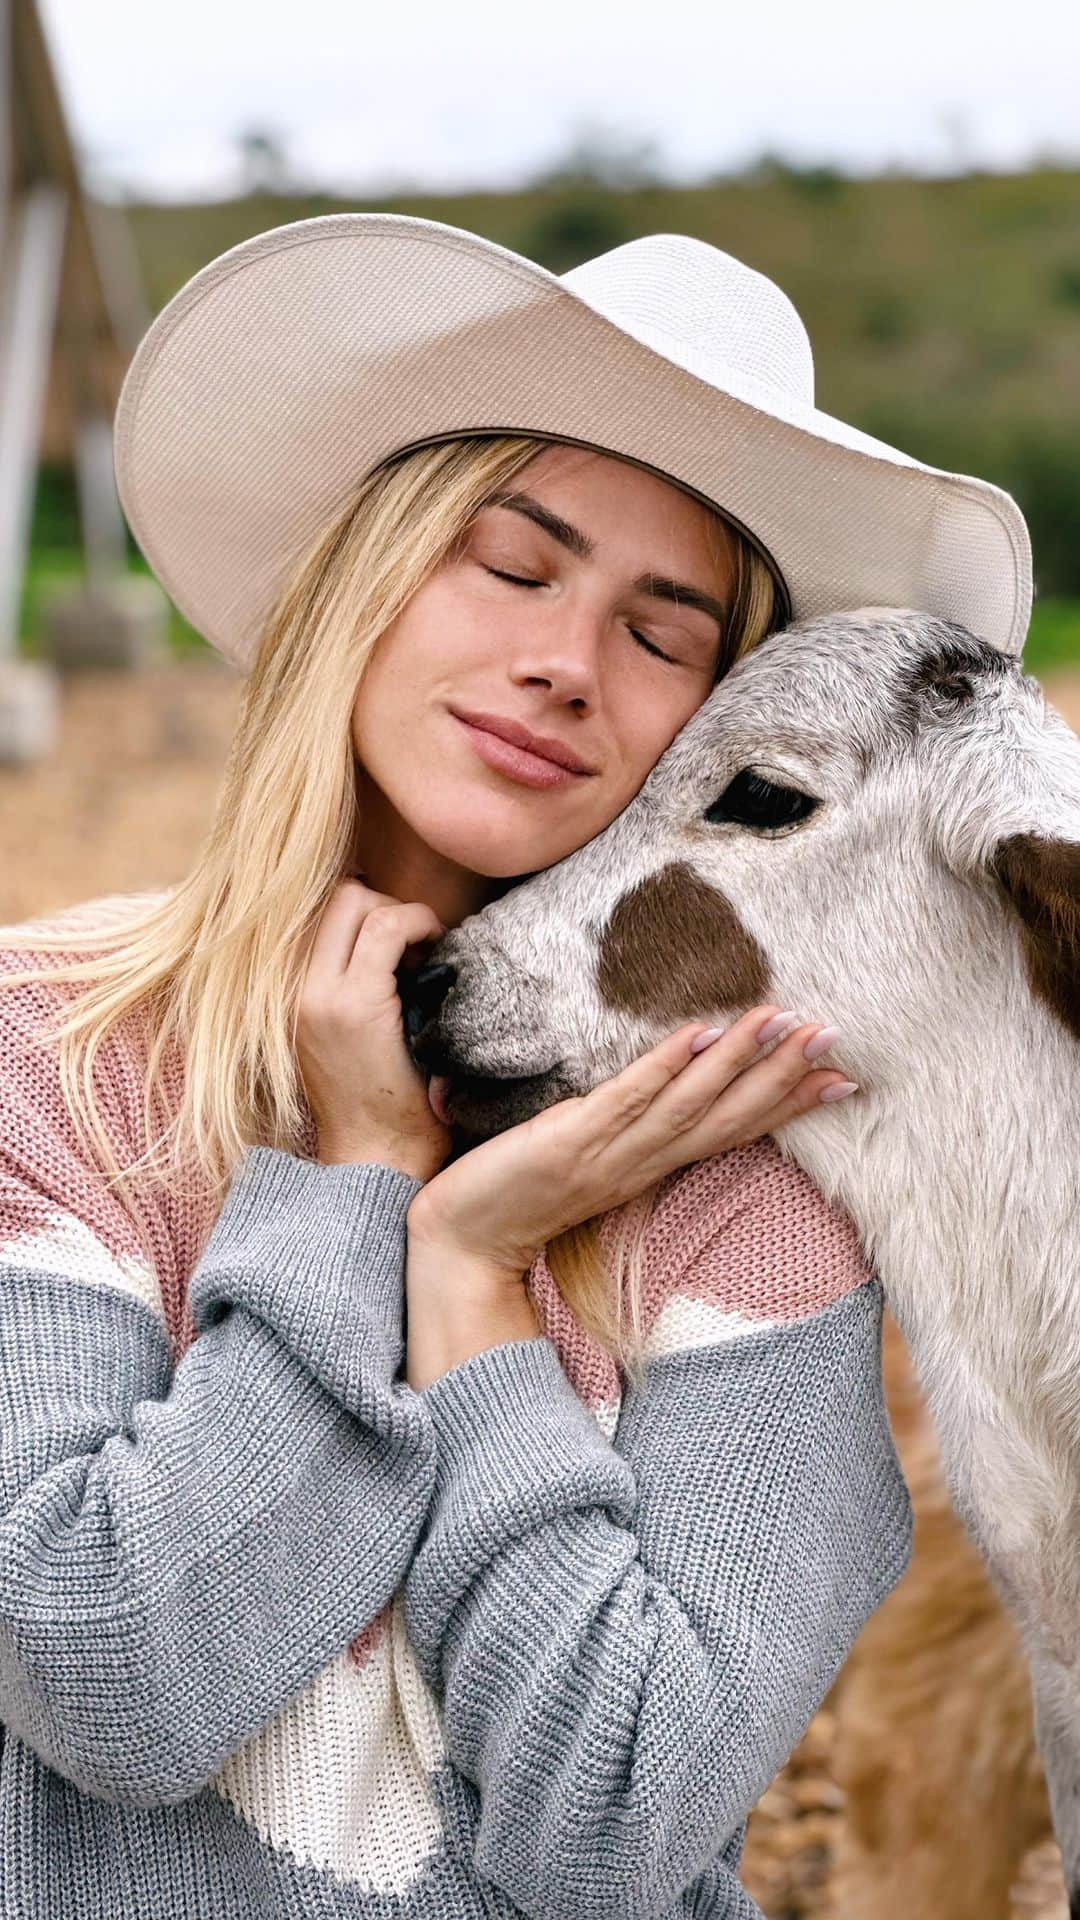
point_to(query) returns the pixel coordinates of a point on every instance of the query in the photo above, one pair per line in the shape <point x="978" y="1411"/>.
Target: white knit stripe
<point x="684" y="1321"/>
<point x="340" y="1777"/>
<point x="65" y="1247"/>
<point x="607" y="1415"/>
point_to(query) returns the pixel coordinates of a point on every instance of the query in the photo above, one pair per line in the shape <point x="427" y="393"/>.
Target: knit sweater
<point x="280" y="1636"/>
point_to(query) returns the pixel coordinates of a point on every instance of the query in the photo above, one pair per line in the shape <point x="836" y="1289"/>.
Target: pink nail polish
<point x="705" y="1039"/>
<point x="774" y="1027"/>
<point x="839" y="1090"/>
<point x="821" y="1043"/>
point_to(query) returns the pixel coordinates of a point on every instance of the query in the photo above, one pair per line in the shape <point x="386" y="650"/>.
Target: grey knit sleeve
<point x="182" y="1549"/>
<point x="629" y="1637"/>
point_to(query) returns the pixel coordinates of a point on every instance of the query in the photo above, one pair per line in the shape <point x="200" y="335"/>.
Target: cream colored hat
<point x="290" y="366"/>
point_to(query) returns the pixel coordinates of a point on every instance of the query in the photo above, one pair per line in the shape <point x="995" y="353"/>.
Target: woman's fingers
<point x="342" y="918"/>
<point x="366" y="1096"/>
<point x="806" y="1095"/>
<point x="739" y="1073"/>
<point x="718" y="1097"/>
<point x="355" y="913"/>
<point x="768" y="1093"/>
<point x="384" y="936"/>
<point x="670" y="1064"/>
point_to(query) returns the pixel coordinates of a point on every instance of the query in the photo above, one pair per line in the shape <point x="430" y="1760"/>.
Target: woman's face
<point x="607" y="666"/>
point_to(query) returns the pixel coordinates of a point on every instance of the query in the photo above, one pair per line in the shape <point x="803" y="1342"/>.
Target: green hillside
<point x="944" y="314"/>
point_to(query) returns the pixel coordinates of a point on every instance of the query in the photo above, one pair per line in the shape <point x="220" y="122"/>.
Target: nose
<point x="423" y="992"/>
<point x="565" y="654"/>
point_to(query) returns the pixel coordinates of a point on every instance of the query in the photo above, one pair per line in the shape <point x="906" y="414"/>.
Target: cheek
<point x="418" y="660"/>
<point x="647" y="723"/>
<point x="472" y="625"/>
<point x="431" y="636"/>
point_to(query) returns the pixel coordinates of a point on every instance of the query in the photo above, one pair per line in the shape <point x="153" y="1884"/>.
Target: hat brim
<point x="291" y="365"/>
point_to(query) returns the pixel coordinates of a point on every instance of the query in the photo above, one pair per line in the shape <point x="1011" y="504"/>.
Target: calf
<point x="873" y="820"/>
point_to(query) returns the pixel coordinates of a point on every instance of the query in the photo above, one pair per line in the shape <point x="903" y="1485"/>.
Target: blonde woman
<point x="354" y="1559"/>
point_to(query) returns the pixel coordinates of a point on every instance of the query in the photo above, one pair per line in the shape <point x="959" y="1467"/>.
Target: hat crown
<point x="702" y="307"/>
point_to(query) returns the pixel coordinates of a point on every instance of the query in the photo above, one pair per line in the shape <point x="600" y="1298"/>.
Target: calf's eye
<point x="752" y="801"/>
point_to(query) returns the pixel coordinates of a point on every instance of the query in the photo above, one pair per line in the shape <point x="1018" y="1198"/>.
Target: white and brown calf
<point x="873" y="820"/>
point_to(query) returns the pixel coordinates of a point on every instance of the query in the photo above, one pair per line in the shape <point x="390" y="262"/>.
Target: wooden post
<point x="71" y="311"/>
<point x="103" y="534"/>
<point x="7" y="131"/>
<point x="29" y="288"/>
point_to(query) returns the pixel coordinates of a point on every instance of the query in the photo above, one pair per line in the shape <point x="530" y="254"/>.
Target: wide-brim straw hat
<point x="294" y="363"/>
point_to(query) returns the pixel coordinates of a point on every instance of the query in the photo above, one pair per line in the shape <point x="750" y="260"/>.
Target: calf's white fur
<point x="928" y="906"/>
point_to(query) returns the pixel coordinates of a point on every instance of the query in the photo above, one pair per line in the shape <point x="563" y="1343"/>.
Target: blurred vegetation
<point x="944" y="313"/>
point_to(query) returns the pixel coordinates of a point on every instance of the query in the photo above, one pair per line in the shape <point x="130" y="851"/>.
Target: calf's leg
<point x="1056" y="1690"/>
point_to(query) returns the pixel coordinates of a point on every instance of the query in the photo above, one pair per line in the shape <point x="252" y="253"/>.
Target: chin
<point x="481" y="854"/>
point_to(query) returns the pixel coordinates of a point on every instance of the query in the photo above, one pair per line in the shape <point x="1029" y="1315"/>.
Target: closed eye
<point x="749" y="800"/>
<point x="518" y="580"/>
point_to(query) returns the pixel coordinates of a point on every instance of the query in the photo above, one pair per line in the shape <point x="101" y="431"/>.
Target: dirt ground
<point x="123" y="803"/>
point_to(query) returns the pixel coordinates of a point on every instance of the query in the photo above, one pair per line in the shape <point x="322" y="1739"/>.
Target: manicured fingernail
<point x="705" y="1039"/>
<point x="820" y="1043"/>
<point x="773" y="1028"/>
<point x="839" y="1090"/>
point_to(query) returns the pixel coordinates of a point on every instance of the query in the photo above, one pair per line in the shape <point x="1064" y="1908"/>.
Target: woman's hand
<point x="368" y="1099"/>
<point x="499" y="1203"/>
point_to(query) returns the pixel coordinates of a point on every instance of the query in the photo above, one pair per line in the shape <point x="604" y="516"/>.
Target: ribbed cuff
<point x="511" y="1432"/>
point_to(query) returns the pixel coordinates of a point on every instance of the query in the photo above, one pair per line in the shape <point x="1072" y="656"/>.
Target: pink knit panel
<point x="745" y="1232"/>
<point x="757" y="1269"/>
<point x="48" y="1181"/>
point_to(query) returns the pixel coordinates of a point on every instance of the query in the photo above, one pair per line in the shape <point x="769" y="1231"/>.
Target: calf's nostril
<point x="423" y="992"/>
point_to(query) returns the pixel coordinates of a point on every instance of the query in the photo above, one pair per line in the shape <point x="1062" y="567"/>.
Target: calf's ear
<point x="1042" y="880"/>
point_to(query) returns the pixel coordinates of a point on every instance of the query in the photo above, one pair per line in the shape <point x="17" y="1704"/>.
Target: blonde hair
<point x="216" y="964"/>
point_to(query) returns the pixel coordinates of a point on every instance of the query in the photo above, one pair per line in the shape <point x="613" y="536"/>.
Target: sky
<point x="439" y="98"/>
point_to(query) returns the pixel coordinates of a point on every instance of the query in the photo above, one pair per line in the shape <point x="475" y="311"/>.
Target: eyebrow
<point x="656" y="585"/>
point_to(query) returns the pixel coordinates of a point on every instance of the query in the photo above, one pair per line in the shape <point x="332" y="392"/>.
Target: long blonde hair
<point x="215" y="964"/>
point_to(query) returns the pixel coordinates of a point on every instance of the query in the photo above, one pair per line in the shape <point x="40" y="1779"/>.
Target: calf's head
<point x="868" y="820"/>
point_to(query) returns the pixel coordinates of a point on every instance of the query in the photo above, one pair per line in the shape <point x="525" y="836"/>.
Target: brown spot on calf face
<point x="1042" y="879"/>
<point x="676" y="949"/>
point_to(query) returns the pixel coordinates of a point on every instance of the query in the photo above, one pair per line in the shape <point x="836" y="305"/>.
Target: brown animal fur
<point x="1042" y="879"/>
<point x="674" y="945"/>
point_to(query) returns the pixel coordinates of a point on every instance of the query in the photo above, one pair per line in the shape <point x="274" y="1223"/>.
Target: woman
<point x="303" y="1611"/>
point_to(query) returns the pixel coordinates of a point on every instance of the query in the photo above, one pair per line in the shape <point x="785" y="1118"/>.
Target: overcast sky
<point x="440" y="95"/>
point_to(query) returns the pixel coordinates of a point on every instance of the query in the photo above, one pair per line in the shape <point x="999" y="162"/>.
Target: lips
<point x="527" y="769"/>
<point x="542" y="746"/>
